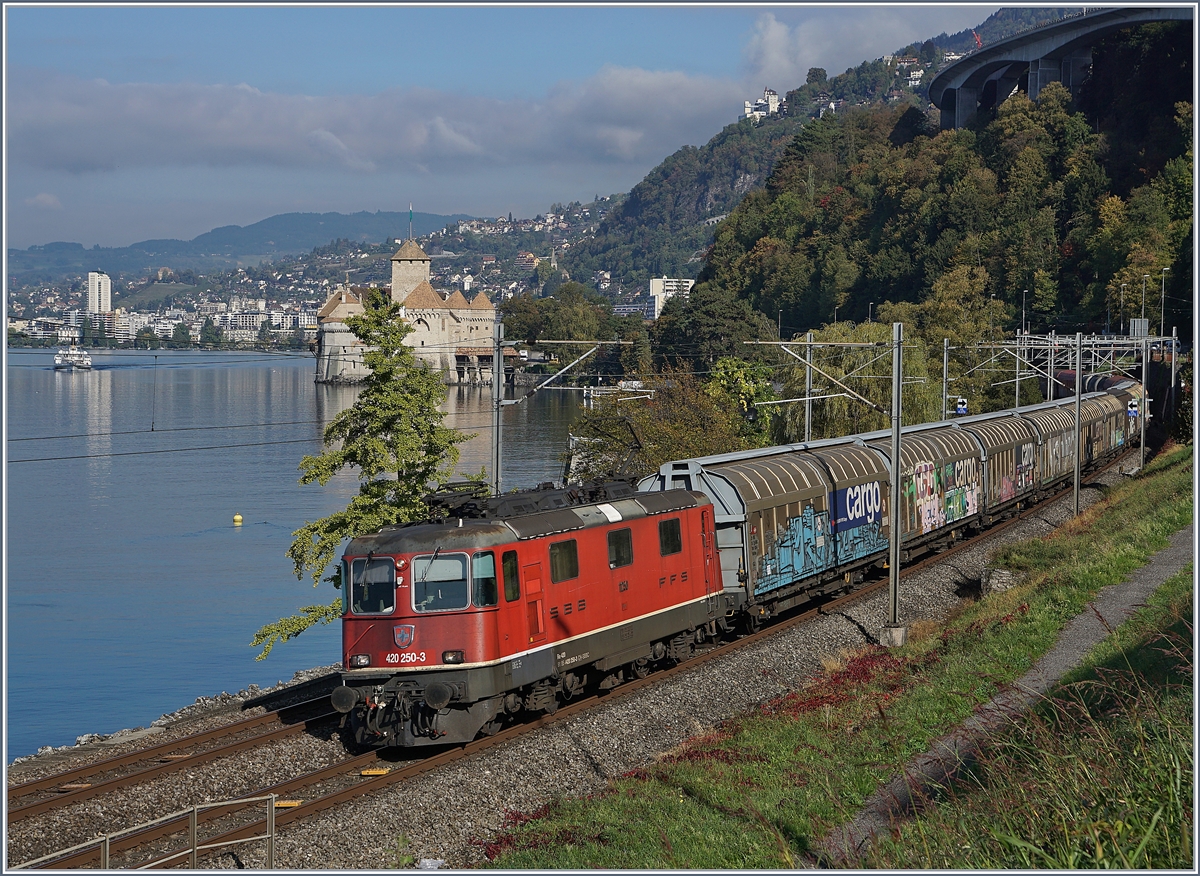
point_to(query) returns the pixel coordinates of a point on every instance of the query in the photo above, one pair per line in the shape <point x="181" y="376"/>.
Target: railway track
<point x="83" y="783"/>
<point x="333" y="786"/>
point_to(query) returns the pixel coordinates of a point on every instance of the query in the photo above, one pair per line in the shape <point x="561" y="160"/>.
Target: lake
<point x="129" y="591"/>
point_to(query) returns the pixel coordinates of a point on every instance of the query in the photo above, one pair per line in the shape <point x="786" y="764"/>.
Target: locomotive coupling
<point x="344" y="699"/>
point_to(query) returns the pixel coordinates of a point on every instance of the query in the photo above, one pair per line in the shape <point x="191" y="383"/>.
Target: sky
<point x="125" y="123"/>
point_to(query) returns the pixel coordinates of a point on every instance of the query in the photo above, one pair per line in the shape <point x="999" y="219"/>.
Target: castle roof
<point x="424" y="298"/>
<point x="410" y="251"/>
<point x="345" y="301"/>
<point x="457" y="301"/>
<point x="480" y="302"/>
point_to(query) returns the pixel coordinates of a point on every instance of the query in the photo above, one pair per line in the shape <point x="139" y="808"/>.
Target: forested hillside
<point x="876" y="205"/>
<point x="658" y="229"/>
<point x="1001" y="24"/>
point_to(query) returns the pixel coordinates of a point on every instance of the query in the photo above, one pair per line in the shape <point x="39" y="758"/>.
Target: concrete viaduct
<point x="1056" y="52"/>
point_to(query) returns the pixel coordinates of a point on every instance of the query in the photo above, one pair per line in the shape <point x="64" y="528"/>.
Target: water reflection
<point x="163" y="593"/>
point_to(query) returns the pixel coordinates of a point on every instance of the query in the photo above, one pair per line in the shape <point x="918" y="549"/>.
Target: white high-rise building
<point x="99" y="298"/>
<point x="666" y="288"/>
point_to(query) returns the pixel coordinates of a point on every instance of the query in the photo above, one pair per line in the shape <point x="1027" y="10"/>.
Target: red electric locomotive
<point x="517" y="602"/>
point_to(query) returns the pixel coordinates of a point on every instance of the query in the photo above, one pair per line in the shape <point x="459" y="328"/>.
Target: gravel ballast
<point x="448" y="814"/>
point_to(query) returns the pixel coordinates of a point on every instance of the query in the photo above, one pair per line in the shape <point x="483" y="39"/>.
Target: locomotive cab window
<point x="620" y="548"/>
<point x="670" y="541"/>
<point x="484" y="593"/>
<point x="439" y="582"/>
<point x="564" y="561"/>
<point x="372" y="585"/>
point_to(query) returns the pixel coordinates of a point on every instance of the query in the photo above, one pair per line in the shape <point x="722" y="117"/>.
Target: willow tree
<point x="393" y="437"/>
<point x="867" y="370"/>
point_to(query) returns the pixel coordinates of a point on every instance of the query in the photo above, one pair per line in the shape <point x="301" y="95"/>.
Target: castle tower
<point x="410" y="268"/>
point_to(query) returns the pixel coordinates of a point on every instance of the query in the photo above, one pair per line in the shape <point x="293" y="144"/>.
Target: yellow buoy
<point x="237" y="519"/>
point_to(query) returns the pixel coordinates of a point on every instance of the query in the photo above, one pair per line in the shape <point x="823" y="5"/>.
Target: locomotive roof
<point x="465" y="534"/>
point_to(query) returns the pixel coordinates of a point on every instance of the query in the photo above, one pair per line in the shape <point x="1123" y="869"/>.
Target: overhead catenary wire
<point x="482" y="427"/>
<point x="163" y="450"/>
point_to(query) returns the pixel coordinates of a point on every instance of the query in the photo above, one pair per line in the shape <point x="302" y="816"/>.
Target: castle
<point x="450" y="334"/>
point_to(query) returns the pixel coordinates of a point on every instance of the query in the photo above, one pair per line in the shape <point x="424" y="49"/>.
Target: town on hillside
<point x="467" y="266"/>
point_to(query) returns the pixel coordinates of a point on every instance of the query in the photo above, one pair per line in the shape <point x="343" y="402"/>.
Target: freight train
<point x="513" y="604"/>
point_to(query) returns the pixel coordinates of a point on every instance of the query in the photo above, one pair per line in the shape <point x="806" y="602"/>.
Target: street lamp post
<point x="1162" y="316"/>
<point x="1024" y="330"/>
<point x="1145" y="277"/>
<point x="869" y="306"/>
<point x="1123" y="285"/>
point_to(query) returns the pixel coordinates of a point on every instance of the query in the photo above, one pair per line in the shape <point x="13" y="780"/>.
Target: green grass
<point x="153" y="294"/>
<point x="1100" y="775"/>
<point x="760" y="789"/>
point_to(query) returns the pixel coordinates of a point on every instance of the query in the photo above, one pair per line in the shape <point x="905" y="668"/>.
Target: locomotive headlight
<point x="452" y="656"/>
<point x="358" y="661"/>
<point x="402" y="564"/>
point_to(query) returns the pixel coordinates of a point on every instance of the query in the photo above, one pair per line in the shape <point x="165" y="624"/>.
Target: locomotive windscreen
<point x="440" y="582"/>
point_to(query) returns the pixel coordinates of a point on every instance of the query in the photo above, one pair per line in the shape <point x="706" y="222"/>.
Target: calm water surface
<point x="129" y="592"/>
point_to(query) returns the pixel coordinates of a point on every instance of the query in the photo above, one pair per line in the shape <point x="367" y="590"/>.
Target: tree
<point x="523" y="319"/>
<point x="634" y="437"/>
<point x="816" y="76"/>
<point x="210" y="334"/>
<point x="708" y="324"/>
<point x="264" y="330"/>
<point x="867" y="371"/>
<point x="181" y="336"/>
<point x="147" y="335"/>
<point x="393" y="437"/>
<point x="738" y="386"/>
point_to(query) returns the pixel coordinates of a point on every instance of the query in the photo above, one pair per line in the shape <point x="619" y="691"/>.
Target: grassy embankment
<point x="1100" y="774"/>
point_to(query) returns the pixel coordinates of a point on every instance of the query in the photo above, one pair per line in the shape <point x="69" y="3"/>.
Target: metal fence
<point x="191" y="852"/>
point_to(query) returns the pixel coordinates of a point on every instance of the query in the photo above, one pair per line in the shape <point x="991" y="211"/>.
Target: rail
<point x="194" y="847"/>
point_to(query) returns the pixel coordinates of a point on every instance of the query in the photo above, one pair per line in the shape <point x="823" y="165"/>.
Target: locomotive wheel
<point x="572" y="685"/>
<point x="640" y="667"/>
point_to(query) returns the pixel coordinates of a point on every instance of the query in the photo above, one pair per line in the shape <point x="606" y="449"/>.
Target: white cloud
<point x="783" y="45"/>
<point x="325" y="142"/>
<point x="620" y="114"/>
<point x="45" y="201"/>
<point x="444" y="136"/>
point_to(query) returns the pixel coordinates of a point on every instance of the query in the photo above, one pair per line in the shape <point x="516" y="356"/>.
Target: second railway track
<point x="82" y="783"/>
<point x="324" y="789"/>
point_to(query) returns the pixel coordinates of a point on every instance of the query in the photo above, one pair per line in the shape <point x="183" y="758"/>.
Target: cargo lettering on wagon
<point x="858" y="506"/>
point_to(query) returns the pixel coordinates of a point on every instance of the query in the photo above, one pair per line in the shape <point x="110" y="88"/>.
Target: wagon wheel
<point x="640" y="667"/>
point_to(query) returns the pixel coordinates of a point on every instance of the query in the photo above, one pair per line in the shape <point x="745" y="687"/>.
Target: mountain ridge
<point x="227" y="246"/>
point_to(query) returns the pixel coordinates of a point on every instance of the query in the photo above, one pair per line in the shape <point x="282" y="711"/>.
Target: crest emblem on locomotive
<point x="403" y="634"/>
